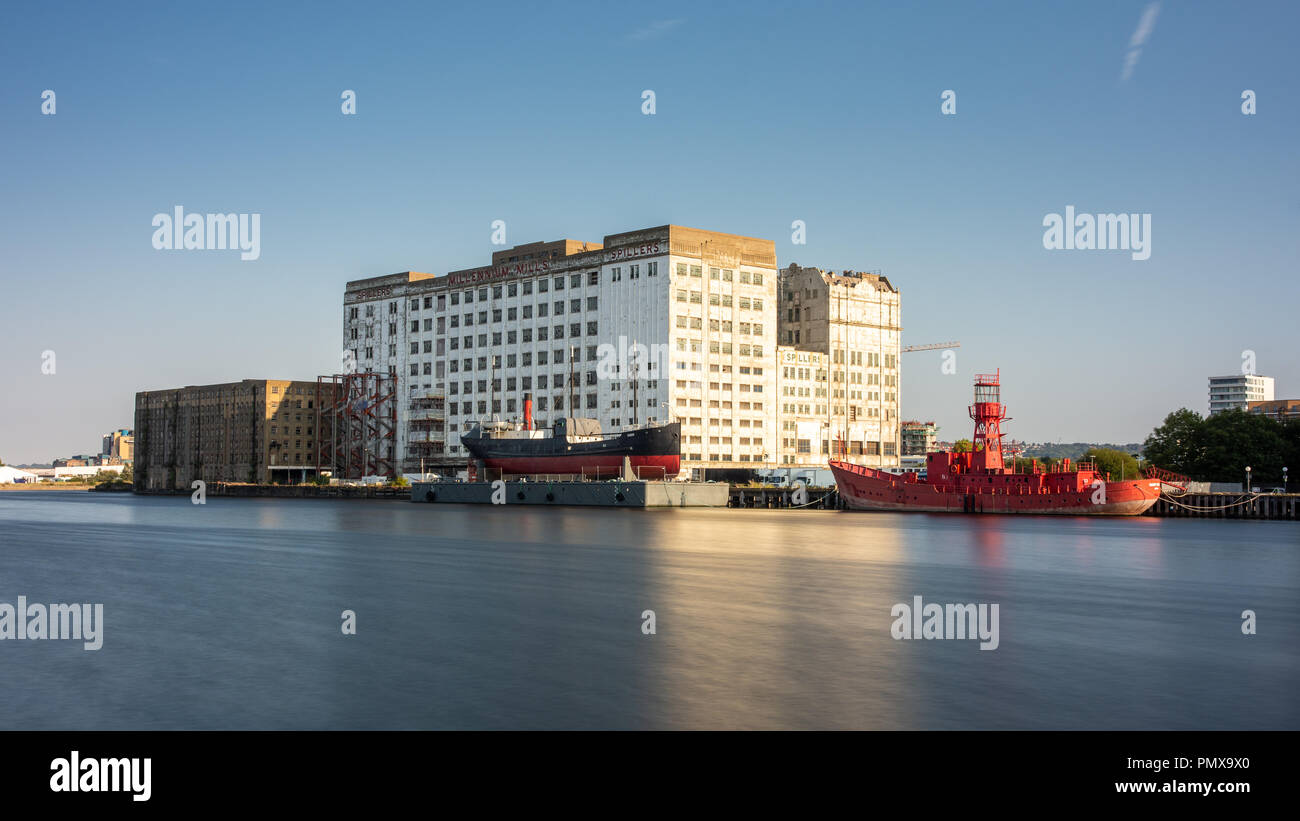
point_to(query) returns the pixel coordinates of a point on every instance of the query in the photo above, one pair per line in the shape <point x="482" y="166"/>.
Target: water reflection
<point x="227" y="615"/>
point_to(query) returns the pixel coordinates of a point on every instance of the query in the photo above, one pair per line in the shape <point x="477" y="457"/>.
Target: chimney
<point x="528" y="411"/>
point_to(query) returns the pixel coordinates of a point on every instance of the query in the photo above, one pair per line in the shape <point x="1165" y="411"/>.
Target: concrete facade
<point x="918" y="437"/>
<point x="853" y="319"/>
<point x="686" y="317"/>
<point x="1238" y="391"/>
<point x="257" y="431"/>
<point x="1279" y="410"/>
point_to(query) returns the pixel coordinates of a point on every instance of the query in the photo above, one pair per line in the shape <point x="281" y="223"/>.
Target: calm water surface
<point x="227" y="615"/>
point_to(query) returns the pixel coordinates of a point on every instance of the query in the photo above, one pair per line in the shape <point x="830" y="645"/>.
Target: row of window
<point x="511" y="314"/>
<point x="726" y="388"/>
<point x="722" y="300"/>
<point x="541" y="404"/>
<point x="634" y="271"/>
<point x="297" y="431"/>
<point x="525" y="383"/>
<point x="720" y="326"/>
<point x="696" y="421"/>
<point x="719" y="274"/>
<point x="696" y="345"/>
<point x="544" y="285"/>
<point x="542" y="334"/>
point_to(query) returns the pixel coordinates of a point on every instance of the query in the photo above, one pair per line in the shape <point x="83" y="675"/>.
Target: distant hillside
<point x="1073" y="450"/>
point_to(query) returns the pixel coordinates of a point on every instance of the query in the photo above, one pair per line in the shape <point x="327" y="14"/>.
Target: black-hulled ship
<point x="575" y="446"/>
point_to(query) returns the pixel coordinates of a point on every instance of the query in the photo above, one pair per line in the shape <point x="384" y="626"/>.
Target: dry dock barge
<point x="622" y="493"/>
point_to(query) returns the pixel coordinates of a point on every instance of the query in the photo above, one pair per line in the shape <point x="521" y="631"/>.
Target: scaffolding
<point x="356" y="425"/>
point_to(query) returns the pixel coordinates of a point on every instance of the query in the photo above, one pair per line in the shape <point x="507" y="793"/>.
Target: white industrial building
<point x="650" y="325"/>
<point x="13" y="476"/>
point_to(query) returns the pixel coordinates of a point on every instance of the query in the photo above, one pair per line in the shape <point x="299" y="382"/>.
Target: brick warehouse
<point x="256" y="431"/>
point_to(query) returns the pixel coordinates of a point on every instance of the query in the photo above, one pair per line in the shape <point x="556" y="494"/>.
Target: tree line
<point x="1219" y="448"/>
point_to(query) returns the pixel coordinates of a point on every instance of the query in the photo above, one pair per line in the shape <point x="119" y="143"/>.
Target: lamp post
<point x="1248" y="478"/>
<point x="1284" y="490"/>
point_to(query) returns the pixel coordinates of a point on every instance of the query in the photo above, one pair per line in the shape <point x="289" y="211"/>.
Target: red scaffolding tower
<point x="356" y="425"/>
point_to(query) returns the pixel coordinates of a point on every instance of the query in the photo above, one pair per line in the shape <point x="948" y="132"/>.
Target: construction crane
<point x="935" y="347"/>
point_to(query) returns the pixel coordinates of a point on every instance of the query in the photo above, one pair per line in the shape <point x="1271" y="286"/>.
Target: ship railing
<point x="1168" y="477"/>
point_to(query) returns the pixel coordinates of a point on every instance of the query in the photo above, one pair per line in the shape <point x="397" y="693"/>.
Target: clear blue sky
<point x="766" y="113"/>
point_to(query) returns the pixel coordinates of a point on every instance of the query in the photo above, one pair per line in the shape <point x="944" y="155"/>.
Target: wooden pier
<point x="772" y="497"/>
<point x="1285" y="506"/>
<point x="1271" y="506"/>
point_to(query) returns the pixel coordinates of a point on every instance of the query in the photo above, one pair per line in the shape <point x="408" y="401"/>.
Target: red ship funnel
<point x="528" y="411"/>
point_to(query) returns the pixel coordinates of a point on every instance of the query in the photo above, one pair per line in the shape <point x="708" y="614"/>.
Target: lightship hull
<point x="864" y="488"/>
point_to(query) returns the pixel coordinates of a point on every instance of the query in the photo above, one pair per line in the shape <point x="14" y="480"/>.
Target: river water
<point x="229" y="615"/>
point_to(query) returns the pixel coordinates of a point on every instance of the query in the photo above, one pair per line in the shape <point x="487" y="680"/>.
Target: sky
<point x="765" y="113"/>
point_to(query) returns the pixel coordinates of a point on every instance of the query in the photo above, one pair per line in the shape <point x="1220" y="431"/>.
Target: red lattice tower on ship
<point x="989" y="413"/>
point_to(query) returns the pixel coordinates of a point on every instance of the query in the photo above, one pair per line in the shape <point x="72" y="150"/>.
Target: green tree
<point x="1174" y="445"/>
<point x="1232" y="440"/>
<point x="1025" y="464"/>
<point x="1291" y="449"/>
<point x="961" y="446"/>
<point x="1117" y="463"/>
<point x="1218" y="448"/>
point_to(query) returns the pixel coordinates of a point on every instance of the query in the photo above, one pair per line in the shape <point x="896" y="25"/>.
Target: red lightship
<point x="978" y="482"/>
